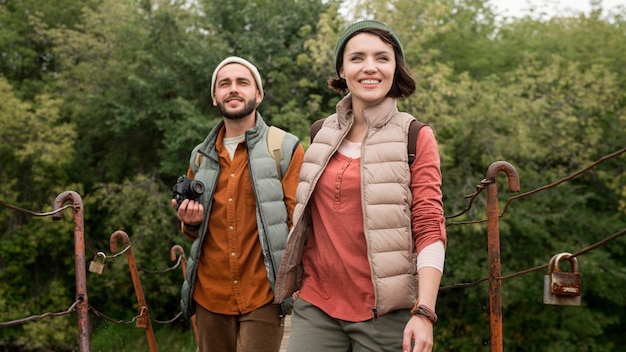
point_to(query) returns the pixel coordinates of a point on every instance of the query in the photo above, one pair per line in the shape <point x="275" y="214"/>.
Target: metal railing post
<point x="82" y="308"/>
<point x="144" y="315"/>
<point x="181" y="251"/>
<point x="493" y="243"/>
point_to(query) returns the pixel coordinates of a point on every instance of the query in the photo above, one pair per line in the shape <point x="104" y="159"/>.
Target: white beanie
<point x="237" y="60"/>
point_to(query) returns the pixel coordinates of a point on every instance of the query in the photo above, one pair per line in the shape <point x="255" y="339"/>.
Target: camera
<point x="187" y="188"/>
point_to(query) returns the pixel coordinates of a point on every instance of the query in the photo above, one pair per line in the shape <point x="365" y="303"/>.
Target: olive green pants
<point x="257" y="331"/>
<point x="312" y="330"/>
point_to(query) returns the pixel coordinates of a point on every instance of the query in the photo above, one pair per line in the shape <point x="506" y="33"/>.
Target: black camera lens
<point x="196" y="189"/>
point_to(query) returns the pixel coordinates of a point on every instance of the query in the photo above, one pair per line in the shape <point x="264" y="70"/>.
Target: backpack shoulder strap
<point x="315" y="127"/>
<point x="414" y="129"/>
<point x="197" y="160"/>
<point x="275" y="138"/>
<point x="197" y="157"/>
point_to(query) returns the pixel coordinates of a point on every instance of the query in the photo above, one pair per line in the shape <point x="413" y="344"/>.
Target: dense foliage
<point x="107" y="98"/>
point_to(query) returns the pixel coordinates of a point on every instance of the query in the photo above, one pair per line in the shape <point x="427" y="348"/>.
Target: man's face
<point x="236" y="94"/>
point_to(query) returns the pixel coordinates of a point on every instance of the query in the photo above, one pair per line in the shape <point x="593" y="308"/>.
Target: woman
<point x="368" y="225"/>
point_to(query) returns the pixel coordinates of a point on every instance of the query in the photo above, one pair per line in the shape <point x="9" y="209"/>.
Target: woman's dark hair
<point x="403" y="82"/>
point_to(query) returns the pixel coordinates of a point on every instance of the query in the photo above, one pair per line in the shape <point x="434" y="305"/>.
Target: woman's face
<point x="368" y="68"/>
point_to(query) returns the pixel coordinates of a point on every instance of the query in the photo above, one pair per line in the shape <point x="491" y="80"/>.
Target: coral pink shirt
<point x="337" y="276"/>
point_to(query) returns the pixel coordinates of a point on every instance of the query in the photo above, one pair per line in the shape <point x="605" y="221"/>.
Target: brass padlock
<point x="562" y="288"/>
<point x="96" y="266"/>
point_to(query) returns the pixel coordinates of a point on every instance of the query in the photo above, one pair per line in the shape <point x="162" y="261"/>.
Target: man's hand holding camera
<point x="185" y="192"/>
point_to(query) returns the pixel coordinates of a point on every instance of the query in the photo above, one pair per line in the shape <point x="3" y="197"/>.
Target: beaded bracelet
<point x="423" y="310"/>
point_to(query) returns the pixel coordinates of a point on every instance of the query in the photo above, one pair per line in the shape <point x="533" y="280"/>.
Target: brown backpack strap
<point x="414" y="129"/>
<point x="315" y="127"/>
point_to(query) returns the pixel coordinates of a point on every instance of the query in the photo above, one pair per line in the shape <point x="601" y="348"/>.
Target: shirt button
<point x="230" y="200"/>
<point x="230" y="228"/>
<point x="235" y="282"/>
<point x="232" y="254"/>
<point x="232" y="175"/>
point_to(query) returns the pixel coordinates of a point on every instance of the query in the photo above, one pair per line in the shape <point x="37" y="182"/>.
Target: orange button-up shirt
<point x="231" y="276"/>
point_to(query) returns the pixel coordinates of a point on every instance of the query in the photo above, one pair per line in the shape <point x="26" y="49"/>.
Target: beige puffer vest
<point x="386" y="198"/>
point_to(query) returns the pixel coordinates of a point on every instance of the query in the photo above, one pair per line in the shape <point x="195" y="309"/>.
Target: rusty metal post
<point x="181" y="251"/>
<point x="143" y="307"/>
<point x="493" y="243"/>
<point x="82" y="308"/>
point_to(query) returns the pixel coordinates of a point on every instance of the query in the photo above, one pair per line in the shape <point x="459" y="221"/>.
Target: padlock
<point x="142" y="318"/>
<point x="141" y="323"/>
<point x="562" y="288"/>
<point x="96" y="266"/>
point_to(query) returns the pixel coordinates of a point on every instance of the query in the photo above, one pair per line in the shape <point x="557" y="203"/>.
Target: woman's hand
<point x="419" y="334"/>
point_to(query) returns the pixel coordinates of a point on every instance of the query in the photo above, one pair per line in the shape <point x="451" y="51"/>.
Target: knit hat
<point x="356" y="27"/>
<point x="237" y="60"/>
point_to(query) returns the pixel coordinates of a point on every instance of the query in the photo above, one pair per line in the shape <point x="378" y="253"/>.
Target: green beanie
<point x="356" y="27"/>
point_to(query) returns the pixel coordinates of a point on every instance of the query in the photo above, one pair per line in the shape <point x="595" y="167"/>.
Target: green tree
<point x="26" y="59"/>
<point x="272" y="34"/>
<point x="35" y="145"/>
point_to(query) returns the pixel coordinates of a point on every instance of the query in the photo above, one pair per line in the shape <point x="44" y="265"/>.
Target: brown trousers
<point x="257" y="331"/>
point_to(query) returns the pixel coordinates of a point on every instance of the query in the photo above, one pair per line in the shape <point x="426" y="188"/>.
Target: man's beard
<point x="247" y="109"/>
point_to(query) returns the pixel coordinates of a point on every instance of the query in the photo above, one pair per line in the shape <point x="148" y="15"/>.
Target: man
<point x="240" y="224"/>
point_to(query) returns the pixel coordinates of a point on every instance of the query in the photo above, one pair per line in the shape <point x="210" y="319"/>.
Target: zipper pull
<point x="375" y="311"/>
<point x="282" y="320"/>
